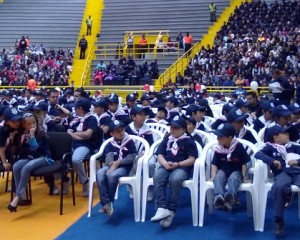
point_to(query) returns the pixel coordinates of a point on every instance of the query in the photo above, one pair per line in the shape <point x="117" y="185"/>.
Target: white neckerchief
<point x="228" y="151"/>
<point x="176" y="110"/>
<point x="264" y="121"/>
<point x="222" y="118"/>
<point x="81" y="120"/>
<point x="121" y="147"/>
<point x="280" y="148"/>
<point x="173" y="140"/>
<point x="144" y="130"/>
<point x="120" y="111"/>
<point x="103" y="115"/>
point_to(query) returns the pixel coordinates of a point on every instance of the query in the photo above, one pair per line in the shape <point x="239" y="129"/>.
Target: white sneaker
<point x="160" y="214"/>
<point x="55" y="190"/>
<point x="66" y="187"/>
<point x="85" y="190"/>
<point x="150" y="195"/>
<point x="165" y="223"/>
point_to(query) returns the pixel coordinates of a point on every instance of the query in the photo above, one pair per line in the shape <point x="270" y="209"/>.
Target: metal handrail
<point x="87" y="66"/>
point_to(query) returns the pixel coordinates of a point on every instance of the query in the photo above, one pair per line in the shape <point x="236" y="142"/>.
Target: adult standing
<point x="212" y="11"/>
<point x="188" y="40"/>
<point x="89" y="22"/>
<point x="83" y="44"/>
<point x="143" y="45"/>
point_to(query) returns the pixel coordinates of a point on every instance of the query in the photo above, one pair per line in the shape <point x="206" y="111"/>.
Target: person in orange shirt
<point x="143" y="45"/>
<point x="188" y="40"/>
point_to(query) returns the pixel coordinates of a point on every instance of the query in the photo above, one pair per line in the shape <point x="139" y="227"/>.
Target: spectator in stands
<point x="188" y="41"/>
<point x="179" y="39"/>
<point x="212" y="11"/>
<point x="143" y="46"/>
<point x="83" y="45"/>
<point x="130" y="42"/>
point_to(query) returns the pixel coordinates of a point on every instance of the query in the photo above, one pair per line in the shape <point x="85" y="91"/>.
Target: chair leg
<point x="29" y="189"/>
<point x="7" y="180"/>
<point x="13" y="187"/>
<point x="61" y="193"/>
<point x="73" y="188"/>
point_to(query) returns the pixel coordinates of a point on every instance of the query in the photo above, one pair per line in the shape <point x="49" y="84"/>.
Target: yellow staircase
<point x="181" y="64"/>
<point x="81" y="67"/>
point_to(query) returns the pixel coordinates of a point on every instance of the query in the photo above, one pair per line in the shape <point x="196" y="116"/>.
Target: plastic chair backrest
<point x="160" y="127"/>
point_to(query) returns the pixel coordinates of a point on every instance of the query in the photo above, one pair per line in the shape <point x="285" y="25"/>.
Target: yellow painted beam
<point x="94" y="9"/>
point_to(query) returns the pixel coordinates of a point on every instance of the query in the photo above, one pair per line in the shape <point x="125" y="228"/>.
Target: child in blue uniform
<point x="285" y="173"/>
<point x="119" y="156"/>
<point x="228" y="166"/>
<point x="197" y="112"/>
<point x="176" y="155"/>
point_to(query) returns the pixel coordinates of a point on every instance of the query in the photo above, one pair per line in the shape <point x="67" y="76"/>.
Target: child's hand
<point x="113" y="167"/>
<point x="246" y="180"/>
<point x="277" y="164"/>
<point x="32" y="131"/>
<point x="293" y="163"/>
<point x="168" y="165"/>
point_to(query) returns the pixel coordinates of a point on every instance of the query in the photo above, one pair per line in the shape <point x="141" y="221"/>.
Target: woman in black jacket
<point x="33" y="153"/>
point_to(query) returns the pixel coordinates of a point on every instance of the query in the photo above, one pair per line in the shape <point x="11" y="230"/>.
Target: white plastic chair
<point x="264" y="188"/>
<point x="261" y="134"/>
<point x="160" y="127"/>
<point x="216" y="109"/>
<point x="205" y="184"/>
<point x="133" y="181"/>
<point x="209" y="120"/>
<point x="191" y="184"/>
<point x="206" y="137"/>
<point x="255" y="135"/>
<point x="157" y="134"/>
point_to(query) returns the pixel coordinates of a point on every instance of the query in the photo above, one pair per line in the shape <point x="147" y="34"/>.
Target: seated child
<point x="285" y="174"/>
<point x="176" y="155"/>
<point x="228" y="167"/>
<point x="120" y="154"/>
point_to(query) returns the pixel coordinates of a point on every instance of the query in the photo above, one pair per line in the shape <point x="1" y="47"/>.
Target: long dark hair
<point x="39" y="131"/>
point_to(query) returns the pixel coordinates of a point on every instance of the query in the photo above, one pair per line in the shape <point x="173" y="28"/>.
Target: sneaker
<point x="55" y="190"/>
<point x="165" y="223"/>
<point x="278" y="228"/>
<point x="103" y="210"/>
<point x="150" y="195"/>
<point x="66" y="187"/>
<point x="109" y="208"/>
<point x="288" y="199"/>
<point x="229" y="201"/>
<point x="160" y="214"/>
<point x="219" y="202"/>
<point x="85" y="189"/>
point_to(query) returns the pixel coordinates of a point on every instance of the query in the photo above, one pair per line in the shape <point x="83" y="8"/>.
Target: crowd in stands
<point x="265" y="45"/>
<point x="257" y="40"/>
<point x="26" y="61"/>
<point x="115" y="74"/>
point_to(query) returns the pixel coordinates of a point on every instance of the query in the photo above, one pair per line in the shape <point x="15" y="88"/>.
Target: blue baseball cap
<point x="274" y="130"/>
<point x="178" y="122"/>
<point x="83" y="103"/>
<point x="113" y="98"/>
<point x="236" y="115"/>
<point x="41" y="106"/>
<point x="241" y="103"/>
<point x="189" y="119"/>
<point x="172" y="99"/>
<point x="145" y="97"/>
<point x="137" y="109"/>
<point x="267" y="105"/>
<point x="11" y="114"/>
<point x="227" y="107"/>
<point x="281" y="111"/>
<point x="294" y="108"/>
<point x="100" y="103"/>
<point x="225" y="130"/>
<point x="131" y="97"/>
<point x="115" y="125"/>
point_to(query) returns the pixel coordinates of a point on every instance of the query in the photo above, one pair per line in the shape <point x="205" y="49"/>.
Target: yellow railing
<point x="85" y="77"/>
<point x="119" y="50"/>
<point x="181" y="64"/>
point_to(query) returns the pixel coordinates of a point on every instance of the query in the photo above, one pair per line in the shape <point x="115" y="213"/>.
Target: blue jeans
<point x="22" y="169"/>
<point x="78" y="157"/>
<point x="234" y="181"/>
<point x="107" y="184"/>
<point x="281" y="189"/>
<point x="174" y="178"/>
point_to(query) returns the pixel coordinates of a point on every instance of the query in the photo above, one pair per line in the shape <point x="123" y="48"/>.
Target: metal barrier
<point x="87" y="67"/>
